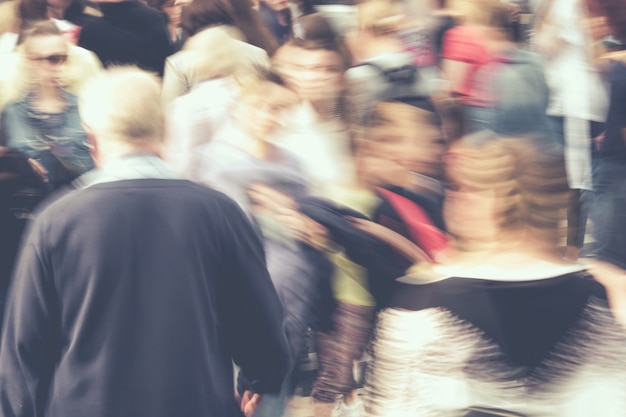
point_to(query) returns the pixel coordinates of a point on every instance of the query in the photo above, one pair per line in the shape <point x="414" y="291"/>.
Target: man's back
<point x="131" y="297"/>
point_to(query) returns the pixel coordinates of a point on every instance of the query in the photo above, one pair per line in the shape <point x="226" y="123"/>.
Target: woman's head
<point x="313" y="63"/>
<point x="264" y="105"/>
<point x="409" y="135"/>
<point x="44" y="51"/>
<point x="200" y="14"/>
<point x="506" y="189"/>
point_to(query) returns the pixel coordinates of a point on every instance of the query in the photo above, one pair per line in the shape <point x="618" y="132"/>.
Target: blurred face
<point x="315" y="75"/>
<point x="46" y="57"/>
<point x="173" y="10"/>
<point x="416" y="147"/>
<point x="265" y="109"/>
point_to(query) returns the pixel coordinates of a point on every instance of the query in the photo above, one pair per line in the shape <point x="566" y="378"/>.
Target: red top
<point x="466" y="44"/>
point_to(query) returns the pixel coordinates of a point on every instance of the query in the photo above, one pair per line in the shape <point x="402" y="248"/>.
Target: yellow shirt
<point x="350" y="279"/>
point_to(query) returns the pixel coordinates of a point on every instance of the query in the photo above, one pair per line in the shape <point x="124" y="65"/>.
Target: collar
<point x="129" y="167"/>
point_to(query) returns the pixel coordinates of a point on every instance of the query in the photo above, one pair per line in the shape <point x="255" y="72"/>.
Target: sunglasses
<point x="51" y="59"/>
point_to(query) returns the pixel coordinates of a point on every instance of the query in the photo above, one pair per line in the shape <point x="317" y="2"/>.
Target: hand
<point x="249" y="403"/>
<point x="613" y="278"/>
<point x="303" y="228"/>
<point x="38" y="169"/>
<point x="597" y="27"/>
<point x="283" y="209"/>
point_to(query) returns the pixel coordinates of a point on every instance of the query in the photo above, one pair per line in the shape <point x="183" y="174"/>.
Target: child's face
<point x="265" y="109"/>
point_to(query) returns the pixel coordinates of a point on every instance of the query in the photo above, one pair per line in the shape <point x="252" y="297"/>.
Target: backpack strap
<point x="406" y="74"/>
<point x="421" y="228"/>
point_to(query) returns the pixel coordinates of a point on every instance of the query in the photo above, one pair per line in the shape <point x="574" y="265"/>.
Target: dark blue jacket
<point x="131" y="299"/>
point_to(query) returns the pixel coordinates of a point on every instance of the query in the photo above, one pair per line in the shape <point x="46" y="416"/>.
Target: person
<point x="142" y="308"/>
<point x="510" y="90"/>
<point x="129" y="32"/>
<point x="45" y="123"/>
<point x="578" y="102"/>
<point x="383" y="69"/>
<point x="194" y="118"/>
<point x="79" y="67"/>
<point x="491" y="341"/>
<point x="41" y="128"/>
<point x="201" y="18"/>
<point x="313" y="65"/>
<point x="266" y="181"/>
<point x="386" y="153"/>
<point x="610" y="170"/>
<point x="173" y="11"/>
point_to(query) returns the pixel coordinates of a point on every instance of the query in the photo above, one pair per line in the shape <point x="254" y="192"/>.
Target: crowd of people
<point x="194" y="194"/>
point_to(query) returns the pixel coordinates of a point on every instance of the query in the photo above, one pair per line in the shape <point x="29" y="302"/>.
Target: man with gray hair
<point x="133" y="295"/>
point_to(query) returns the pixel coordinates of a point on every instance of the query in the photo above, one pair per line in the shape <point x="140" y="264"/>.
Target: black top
<point x="525" y="318"/>
<point x="128" y="33"/>
<point x="130" y="298"/>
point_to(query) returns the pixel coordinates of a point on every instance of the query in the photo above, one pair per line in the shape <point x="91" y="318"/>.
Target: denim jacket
<point x="57" y="141"/>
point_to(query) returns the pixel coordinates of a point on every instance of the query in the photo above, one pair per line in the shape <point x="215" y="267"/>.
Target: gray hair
<point x="123" y="103"/>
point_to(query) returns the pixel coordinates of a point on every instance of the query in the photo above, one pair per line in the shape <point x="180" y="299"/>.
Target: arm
<point x="30" y="336"/>
<point x="250" y="309"/>
<point x="613" y="278"/>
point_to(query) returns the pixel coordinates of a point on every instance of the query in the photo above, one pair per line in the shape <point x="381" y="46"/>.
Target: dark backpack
<point x="404" y="83"/>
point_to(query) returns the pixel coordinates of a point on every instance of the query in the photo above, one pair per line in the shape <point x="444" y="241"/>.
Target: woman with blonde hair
<point x="507" y="328"/>
<point x="235" y="19"/>
<point x="80" y="66"/>
<point x="44" y="124"/>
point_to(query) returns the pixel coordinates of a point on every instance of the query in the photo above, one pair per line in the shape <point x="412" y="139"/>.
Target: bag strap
<point x="421" y="228"/>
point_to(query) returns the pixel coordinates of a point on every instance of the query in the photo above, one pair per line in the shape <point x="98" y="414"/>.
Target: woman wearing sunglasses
<point x="44" y="123"/>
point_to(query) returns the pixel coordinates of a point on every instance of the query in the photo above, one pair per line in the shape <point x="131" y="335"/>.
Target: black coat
<point x="130" y="298"/>
<point x="128" y="33"/>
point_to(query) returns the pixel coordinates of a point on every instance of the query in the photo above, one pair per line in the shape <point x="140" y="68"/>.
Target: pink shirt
<point x="466" y="44"/>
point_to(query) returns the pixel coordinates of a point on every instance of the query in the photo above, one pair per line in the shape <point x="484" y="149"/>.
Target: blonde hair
<point x="123" y="104"/>
<point x="81" y="66"/>
<point x="527" y="178"/>
<point x="217" y="53"/>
